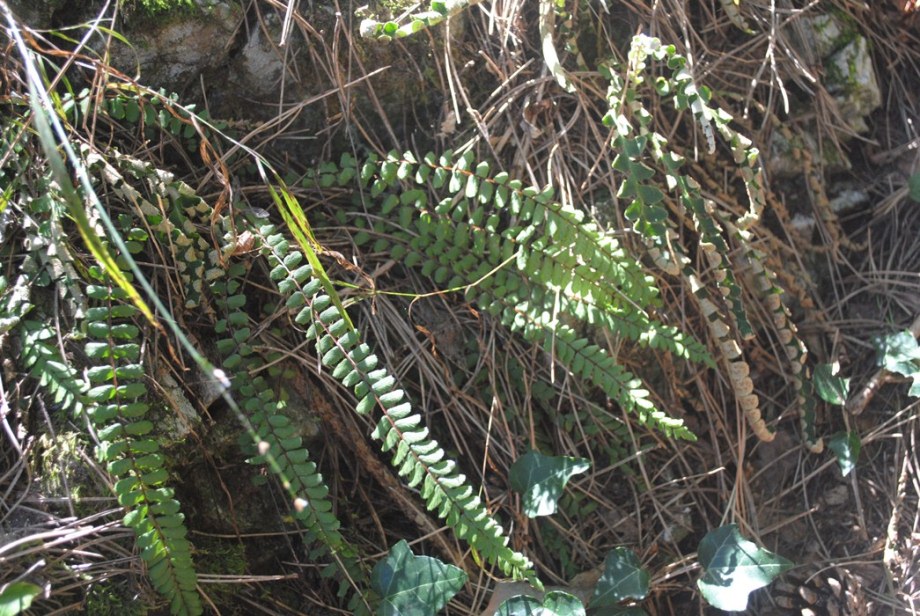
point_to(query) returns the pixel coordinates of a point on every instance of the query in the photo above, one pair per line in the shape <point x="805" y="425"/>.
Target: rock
<point x="849" y="75"/>
<point x="171" y="50"/>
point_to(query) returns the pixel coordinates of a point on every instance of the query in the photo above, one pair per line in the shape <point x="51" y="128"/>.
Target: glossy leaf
<point x="623" y="578"/>
<point x="846" y="447"/>
<point x="832" y="389"/>
<point x="540" y="480"/>
<point x="734" y="567"/>
<point x="899" y="353"/>
<point x="412" y="585"/>
<point x="555" y="603"/>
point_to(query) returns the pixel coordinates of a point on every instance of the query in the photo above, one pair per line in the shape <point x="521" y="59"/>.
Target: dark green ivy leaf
<point x="734" y="567"/>
<point x="623" y="578"/>
<point x="556" y="603"/>
<point x="412" y="585"/>
<point x="540" y="480"/>
<point x="846" y="447"/>
<point x="832" y="389"/>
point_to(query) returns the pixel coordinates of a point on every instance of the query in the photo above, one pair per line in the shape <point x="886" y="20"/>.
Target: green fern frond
<point x="417" y="457"/>
<point x="41" y="355"/>
<point x="172" y="216"/>
<point x="278" y="445"/>
<point x="526" y="259"/>
<point x="115" y="402"/>
<point x="438" y="11"/>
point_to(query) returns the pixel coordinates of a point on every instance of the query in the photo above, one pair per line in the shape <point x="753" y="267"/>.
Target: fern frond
<point x="417" y="457"/>
<point x="41" y="355"/>
<point x="171" y="217"/>
<point x="526" y="259"/>
<point x="116" y="405"/>
<point x="278" y="445"/>
<point x="793" y="346"/>
<point x="438" y="11"/>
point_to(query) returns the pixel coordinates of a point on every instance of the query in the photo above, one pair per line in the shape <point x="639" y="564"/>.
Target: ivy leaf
<point x="913" y="187"/>
<point x="540" y="480"/>
<point x="832" y="389"/>
<point x="556" y="603"/>
<point x="17" y="597"/>
<point x="623" y="578"/>
<point x="734" y="568"/>
<point x="412" y="585"/>
<point x="846" y="447"/>
<point x="899" y="353"/>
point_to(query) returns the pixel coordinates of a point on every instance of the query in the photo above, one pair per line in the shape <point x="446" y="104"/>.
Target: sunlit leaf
<point x="17" y="597"/>
<point x="832" y="389"/>
<point x="623" y="578"/>
<point x="556" y="603"/>
<point x="540" y="480"/>
<point x="899" y="353"/>
<point x="412" y="585"/>
<point x="735" y="567"/>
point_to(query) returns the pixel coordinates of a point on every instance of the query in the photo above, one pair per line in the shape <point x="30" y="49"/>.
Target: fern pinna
<point x="531" y="262"/>
<point x="116" y="404"/>
<point x="418" y="457"/>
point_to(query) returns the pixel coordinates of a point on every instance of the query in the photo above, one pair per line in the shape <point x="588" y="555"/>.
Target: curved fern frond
<point x="712" y="226"/>
<point x="417" y="457"/>
<point x="526" y="259"/>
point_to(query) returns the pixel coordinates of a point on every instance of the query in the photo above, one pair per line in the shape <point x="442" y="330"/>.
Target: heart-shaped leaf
<point x="623" y="578"/>
<point x="846" y="446"/>
<point x="899" y="353"/>
<point x="17" y="597"/>
<point x="412" y="585"/>
<point x="555" y="603"/>
<point x="832" y="389"/>
<point x="540" y="480"/>
<point x="734" y="567"/>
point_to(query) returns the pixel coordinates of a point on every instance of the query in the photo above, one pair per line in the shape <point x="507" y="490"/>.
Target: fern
<point x="278" y="445"/>
<point x="41" y="355"/>
<point x="417" y="457"/>
<point x="652" y="220"/>
<point x="416" y="22"/>
<point x="524" y="258"/>
<point x="116" y="405"/>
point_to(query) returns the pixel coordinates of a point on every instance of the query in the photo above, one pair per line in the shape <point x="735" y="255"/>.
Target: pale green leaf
<point x="17" y="597"/>
<point x="556" y="603"/>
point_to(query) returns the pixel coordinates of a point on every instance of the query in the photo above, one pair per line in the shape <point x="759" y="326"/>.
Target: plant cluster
<point x="535" y="265"/>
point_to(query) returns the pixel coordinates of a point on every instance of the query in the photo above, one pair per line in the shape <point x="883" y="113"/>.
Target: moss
<point x="60" y="466"/>
<point x="113" y="597"/>
<point x="154" y="7"/>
